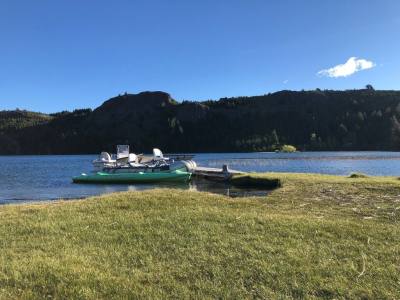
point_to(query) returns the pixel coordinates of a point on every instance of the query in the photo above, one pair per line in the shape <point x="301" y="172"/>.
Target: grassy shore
<point x="315" y="237"/>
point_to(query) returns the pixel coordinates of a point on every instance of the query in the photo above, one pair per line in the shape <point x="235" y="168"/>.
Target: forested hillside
<point x="310" y="120"/>
<point x="18" y="119"/>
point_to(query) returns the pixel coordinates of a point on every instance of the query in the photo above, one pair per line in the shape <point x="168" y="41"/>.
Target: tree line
<point x="364" y="119"/>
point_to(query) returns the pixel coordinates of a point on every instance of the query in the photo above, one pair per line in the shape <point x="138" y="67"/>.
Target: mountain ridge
<point x="311" y="120"/>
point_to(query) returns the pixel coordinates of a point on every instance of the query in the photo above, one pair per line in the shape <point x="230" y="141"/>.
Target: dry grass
<point x="315" y="237"/>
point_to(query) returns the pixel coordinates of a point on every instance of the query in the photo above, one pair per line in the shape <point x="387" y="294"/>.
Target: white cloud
<point x="351" y="66"/>
<point x="285" y="81"/>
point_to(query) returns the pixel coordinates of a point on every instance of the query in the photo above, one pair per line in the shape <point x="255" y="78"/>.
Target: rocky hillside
<point x="310" y="120"/>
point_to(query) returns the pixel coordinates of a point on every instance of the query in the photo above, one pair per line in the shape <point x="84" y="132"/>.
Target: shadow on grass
<point x="250" y="181"/>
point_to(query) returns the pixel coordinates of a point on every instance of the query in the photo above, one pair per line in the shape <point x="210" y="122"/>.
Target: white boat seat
<point x="132" y="158"/>
<point x="157" y="154"/>
<point x="105" y="156"/>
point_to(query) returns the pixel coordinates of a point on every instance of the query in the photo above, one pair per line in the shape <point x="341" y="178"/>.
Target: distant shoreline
<point x="194" y="153"/>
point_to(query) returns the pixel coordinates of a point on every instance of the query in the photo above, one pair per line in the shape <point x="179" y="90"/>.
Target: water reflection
<point x="201" y="185"/>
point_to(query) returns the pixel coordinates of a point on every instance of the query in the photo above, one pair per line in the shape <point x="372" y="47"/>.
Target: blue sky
<point x="64" y="54"/>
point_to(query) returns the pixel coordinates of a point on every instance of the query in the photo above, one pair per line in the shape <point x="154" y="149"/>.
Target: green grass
<point x="317" y="236"/>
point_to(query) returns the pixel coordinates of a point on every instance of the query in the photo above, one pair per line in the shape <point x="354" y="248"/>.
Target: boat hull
<point x="140" y="177"/>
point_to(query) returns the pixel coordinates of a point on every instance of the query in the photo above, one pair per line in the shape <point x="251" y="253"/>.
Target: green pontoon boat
<point x="139" y="177"/>
<point x="128" y="167"/>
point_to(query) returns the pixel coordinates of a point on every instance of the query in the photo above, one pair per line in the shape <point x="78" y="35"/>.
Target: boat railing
<point x="180" y="156"/>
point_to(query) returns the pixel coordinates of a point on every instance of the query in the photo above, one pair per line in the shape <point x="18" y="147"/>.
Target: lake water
<point x="33" y="178"/>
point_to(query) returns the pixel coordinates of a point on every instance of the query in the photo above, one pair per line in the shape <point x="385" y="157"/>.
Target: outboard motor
<point x="185" y="165"/>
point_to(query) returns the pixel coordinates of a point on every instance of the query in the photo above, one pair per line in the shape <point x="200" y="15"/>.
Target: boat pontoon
<point x="125" y="167"/>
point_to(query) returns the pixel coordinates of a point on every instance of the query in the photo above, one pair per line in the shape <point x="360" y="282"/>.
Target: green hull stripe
<point x="141" y="177"/>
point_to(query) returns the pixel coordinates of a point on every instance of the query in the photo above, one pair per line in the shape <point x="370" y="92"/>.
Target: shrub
<point x="358" y="175"/>
<point x="288" y="148"/>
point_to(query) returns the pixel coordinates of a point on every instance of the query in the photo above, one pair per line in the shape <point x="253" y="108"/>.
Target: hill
<point x="12" y="123"/>
<point x="310" y="120"/>
<point x="17" y="119"/>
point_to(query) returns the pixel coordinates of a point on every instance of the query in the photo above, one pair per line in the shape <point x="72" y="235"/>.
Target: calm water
<point x="32" y="178"/>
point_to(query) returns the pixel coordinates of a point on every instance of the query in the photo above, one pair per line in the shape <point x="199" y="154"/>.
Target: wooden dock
<point x="214" y="173"/>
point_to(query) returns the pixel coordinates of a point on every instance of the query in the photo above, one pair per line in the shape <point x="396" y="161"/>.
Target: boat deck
<point x="215" y="173"/>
